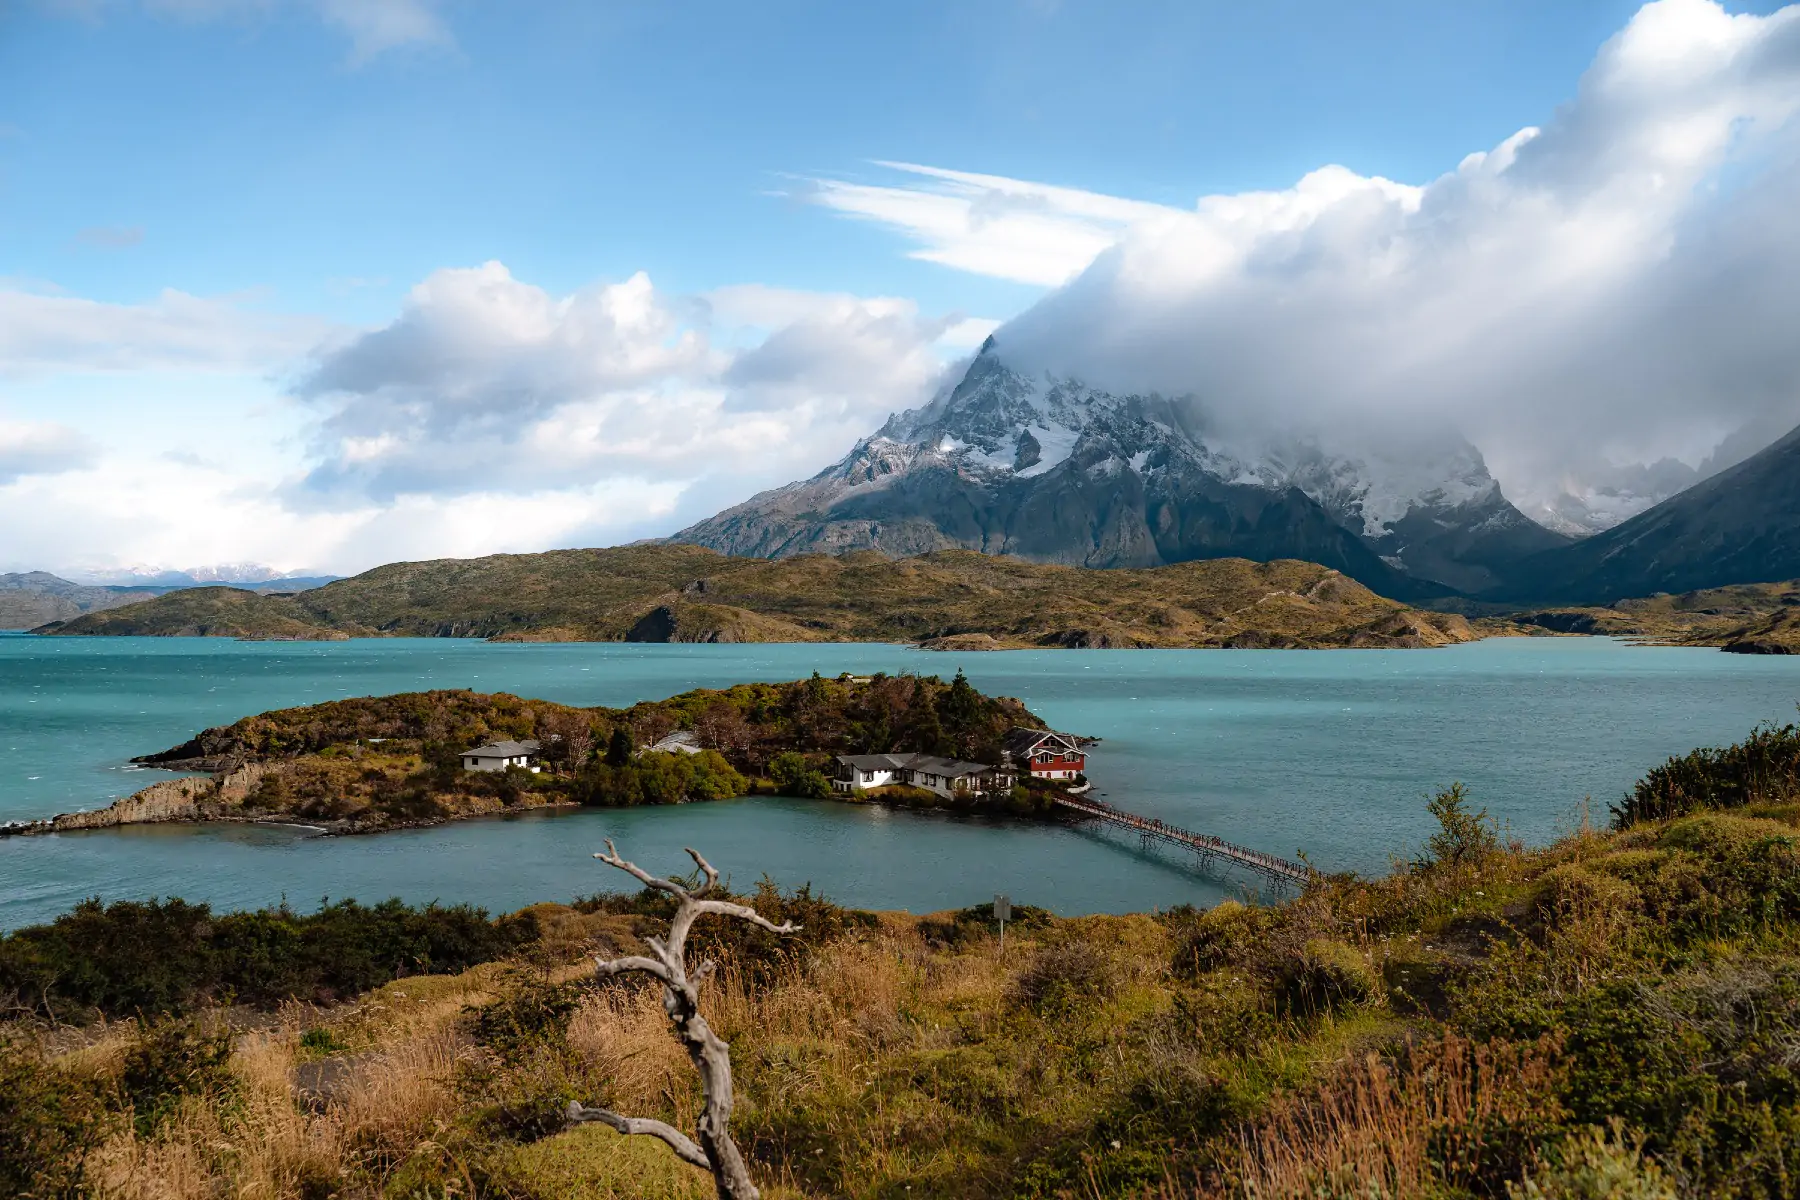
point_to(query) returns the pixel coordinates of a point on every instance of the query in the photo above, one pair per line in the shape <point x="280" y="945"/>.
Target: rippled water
<point x="1330" y="752"/>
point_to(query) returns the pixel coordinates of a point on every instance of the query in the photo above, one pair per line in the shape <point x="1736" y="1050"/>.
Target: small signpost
<point x="1002" y="914"/>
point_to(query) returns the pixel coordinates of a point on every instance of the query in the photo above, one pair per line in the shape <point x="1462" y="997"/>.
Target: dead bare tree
<point x="715" y="1152"/>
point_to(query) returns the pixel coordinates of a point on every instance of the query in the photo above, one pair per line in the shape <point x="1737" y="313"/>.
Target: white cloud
<point x="1615" y="286"/>
<point x="40" y="448"/>
<point x="45" y="331"/>
<point x="988" y="224"/>
<point x="487" y="415"/>
<point x="486" y="383"/>
<point x="376" y="26"/>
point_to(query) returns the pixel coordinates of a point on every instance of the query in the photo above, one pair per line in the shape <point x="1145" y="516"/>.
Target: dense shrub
<point x="794" y="776"/>
<point x="655" y="778"/>
<point x="1763" y="767"/>
<point x="49" y="1123"/>
<point x="167" y="956"/>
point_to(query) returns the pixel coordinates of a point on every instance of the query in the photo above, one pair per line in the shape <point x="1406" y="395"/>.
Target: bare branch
<point x="724" y="908"/>
<point x="611" y="858"/>
<point x="622" y="966"/>
<point x="712" y="876"/>
<point x="684" y="1147"/>
<point x="710" y="1055"/>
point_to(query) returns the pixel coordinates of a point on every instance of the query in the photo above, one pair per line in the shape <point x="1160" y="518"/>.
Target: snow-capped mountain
<point x="230" y="573"/>
<point x="1609" y="494"/>
<point x="1055" y="470"/>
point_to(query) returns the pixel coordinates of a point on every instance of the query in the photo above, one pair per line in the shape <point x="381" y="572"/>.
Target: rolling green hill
<point x="664" y="593"/>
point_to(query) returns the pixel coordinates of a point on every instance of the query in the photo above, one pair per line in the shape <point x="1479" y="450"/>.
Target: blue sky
<point x="293" y="169"/>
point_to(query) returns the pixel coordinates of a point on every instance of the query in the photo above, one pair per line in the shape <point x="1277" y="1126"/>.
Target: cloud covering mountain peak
<point x="1613" y="287"/>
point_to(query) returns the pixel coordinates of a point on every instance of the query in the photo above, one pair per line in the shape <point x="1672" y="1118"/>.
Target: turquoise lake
<point x="1330" y="752"/>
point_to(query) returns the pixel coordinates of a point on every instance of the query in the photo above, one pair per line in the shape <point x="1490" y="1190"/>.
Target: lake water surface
<point x="1330" y="751"/>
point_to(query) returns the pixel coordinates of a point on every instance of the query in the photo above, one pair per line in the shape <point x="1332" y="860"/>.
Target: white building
<point x="497" y="756"/>
<point x="946" y="776"/>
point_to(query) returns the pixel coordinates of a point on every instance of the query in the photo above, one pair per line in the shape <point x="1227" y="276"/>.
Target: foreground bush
<point x="169" y="956"/>
<point x="49" y="1124"/>
<point x="1763" y="768"/>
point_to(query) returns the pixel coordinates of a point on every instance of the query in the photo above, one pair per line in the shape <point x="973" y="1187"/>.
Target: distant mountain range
<point x="1053" y="470"/>
<point x="29" y="599"/>
<point x="1739" y="526"/>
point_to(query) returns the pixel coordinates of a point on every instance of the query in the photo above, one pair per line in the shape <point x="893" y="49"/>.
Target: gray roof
<point x="502" y="750"/>
<point x="682" y="741"/>
<point x="913" y="762"/>
<point x="1022" y="741"/>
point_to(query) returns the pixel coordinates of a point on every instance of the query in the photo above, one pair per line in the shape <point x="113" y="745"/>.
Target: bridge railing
<point x="1199" y="841"/>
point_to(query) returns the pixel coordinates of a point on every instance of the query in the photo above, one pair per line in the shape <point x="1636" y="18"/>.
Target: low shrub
<point x="1227" y="935"/>
<point x="1464" y="838"/>
<point x="170" y="1061"/>
<point x="1324" y="977"/>
<point x="1763" y="768"/>
<point x="49" y="1124"/>
<point x="1598" y="1164"/>
<point x="529" y="1013"/>
<point x="1064" y="975"/>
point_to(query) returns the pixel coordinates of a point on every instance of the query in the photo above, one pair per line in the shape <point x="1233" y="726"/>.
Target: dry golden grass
<point x="1374" y="1130"/>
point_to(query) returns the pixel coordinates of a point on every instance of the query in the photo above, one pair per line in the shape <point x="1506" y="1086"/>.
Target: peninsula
<point x="421" y="758"/>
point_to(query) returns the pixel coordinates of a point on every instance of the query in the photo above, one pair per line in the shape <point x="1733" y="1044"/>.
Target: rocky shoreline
<point x="221" y="799"/>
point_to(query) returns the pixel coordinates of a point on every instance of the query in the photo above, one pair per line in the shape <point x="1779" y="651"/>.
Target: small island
<point x="420" y="758"/>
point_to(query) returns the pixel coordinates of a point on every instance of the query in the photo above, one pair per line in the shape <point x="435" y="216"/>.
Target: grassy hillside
<point x="684" y="593"/>
<point x="1614" y="1015"/>
<point x="1754" y="618"/>
<point x="204" y="612"/>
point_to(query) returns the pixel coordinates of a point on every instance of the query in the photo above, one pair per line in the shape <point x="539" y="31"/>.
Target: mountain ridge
<point x="956" y="598"/>
<point x="1053" y="470"/>
<point x="1739" y="526"/>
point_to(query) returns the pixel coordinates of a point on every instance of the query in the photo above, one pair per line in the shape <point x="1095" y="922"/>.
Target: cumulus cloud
<point x="1616" y="286"/>
<point x="47" y="331"/>
<point x="40" y="448"/>
<point x="485" y="382"/>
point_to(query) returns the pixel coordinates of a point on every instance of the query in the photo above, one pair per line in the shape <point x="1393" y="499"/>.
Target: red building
<point x="1045" y="754"/>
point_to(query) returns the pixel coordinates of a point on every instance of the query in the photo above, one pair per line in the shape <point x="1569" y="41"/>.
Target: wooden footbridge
<point x="1209" y="849"/>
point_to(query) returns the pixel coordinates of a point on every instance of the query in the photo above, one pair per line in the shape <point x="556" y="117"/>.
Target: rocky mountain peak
<point x="1057" y="469"/>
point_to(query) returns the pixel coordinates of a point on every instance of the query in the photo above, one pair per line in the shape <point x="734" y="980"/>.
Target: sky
<point x="322" y="284"/>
